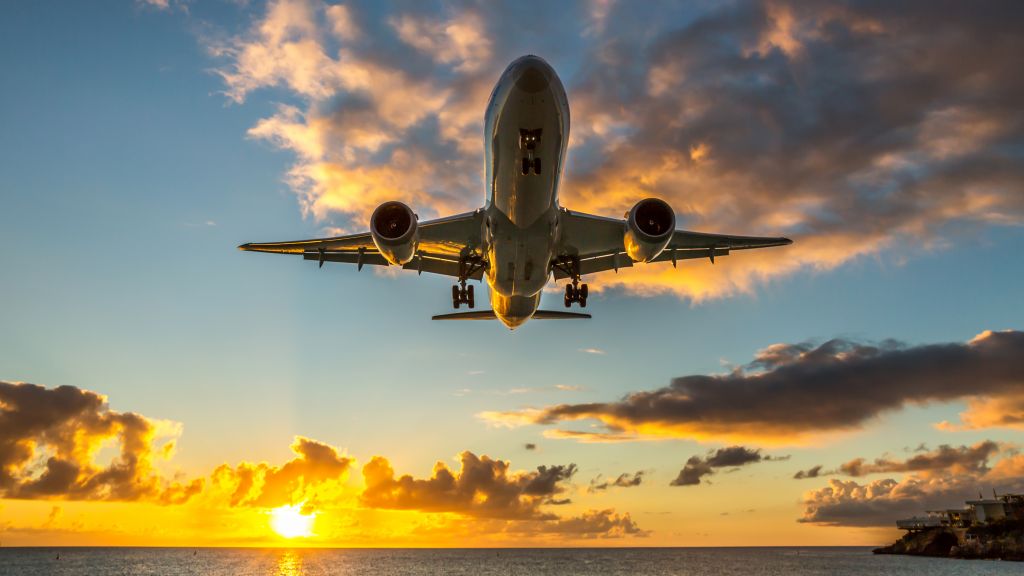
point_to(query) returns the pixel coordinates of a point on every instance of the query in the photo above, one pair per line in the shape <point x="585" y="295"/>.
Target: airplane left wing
<point x="598" y="242"/>
<point x="441" y="243"/>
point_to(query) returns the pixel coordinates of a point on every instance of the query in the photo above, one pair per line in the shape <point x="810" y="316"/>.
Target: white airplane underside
<point x="521" y="237"/>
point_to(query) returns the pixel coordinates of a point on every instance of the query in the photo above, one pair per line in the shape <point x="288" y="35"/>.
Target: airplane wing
<point x="597" y="240"/>
<point x="441" y="242"/>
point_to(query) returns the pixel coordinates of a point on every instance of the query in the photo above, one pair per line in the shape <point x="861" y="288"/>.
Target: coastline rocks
<point x="1003" y="540"/>
<point x="934" y="542"/>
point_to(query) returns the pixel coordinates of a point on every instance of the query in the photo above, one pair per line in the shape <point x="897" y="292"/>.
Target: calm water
<point x="658" y="561"/>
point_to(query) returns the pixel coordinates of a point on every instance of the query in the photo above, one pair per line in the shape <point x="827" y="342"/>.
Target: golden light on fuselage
<point x="290" y="522"/>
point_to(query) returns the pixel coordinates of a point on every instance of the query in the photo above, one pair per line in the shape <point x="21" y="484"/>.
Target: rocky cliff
<point x="1002" y="540"/>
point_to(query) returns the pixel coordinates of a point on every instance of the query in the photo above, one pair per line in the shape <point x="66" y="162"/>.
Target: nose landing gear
<point x="528" y="142"/>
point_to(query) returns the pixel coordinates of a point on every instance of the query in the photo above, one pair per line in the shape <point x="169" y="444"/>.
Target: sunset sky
<point x="159" y="387"/>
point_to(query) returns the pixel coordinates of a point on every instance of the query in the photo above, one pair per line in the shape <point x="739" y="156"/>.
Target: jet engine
<point x="649" y="227"/>
<point x="393" y="229"/>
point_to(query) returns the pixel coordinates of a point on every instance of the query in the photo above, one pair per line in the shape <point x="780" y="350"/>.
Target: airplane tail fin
<point x="489" y="315"/>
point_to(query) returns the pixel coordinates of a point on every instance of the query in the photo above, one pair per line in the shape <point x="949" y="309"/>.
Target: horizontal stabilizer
<point x="489" y="315"/>
<point x="474" y="315"/>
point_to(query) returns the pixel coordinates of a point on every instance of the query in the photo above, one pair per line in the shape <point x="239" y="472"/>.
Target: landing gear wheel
<point x="455" y="297"/>
<point x="583" y="301"/>
<point x="569" y="293"/>
<point x="568" y="303"/>
<point x="536" y="165"/>
<point x="469" y="299"/>
<point x="526" y="166"/>
<point x="584" y="292"/>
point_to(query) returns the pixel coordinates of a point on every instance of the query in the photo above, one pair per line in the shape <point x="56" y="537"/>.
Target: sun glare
<point x="290" y="522"/>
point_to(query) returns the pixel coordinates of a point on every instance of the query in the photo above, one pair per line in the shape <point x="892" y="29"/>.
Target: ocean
<point x="476" y="562"/>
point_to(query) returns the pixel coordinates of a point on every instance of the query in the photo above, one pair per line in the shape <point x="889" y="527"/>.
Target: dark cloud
<point x="594" y="524"/>
<point x="962" y="459"/>
<point x="839" y="385"/>
<point x="697" y="468"/>
<point x="483" y="487"/>
<point x="624" y="480"/>
<point x="50" y="436"/>
<point x="530" y="446"/>
<point x="812" y="472"/>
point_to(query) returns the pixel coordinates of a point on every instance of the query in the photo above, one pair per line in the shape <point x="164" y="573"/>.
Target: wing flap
<point x="686" y="240"/>
<point x="348" y="257"/>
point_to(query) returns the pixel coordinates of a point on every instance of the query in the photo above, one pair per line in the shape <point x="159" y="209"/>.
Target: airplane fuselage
<point x="525" y="137"/>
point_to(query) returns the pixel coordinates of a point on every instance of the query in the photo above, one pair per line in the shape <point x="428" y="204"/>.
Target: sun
<point x="290" y="522"/>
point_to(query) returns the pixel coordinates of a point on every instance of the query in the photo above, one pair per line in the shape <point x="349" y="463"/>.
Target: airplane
<point x="521" y="236"/>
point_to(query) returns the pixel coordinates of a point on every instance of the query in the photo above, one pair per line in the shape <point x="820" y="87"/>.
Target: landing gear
<point x="469" y="264"/>
<point x="575" y="292"/>
<point x="463" y="295"/>
<point x="528" y="142"/>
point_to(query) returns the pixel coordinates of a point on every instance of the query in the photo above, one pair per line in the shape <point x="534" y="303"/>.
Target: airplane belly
<point x="519" y="258"/>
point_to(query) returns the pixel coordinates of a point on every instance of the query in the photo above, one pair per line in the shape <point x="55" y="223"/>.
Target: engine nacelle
<point x="649" y="227"/>
<point x="394" y="232"/>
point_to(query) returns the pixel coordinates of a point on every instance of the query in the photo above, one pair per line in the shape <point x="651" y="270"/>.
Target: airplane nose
<point x="533" y="74"/>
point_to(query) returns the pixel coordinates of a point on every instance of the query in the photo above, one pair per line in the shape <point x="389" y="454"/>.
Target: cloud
<point x="1005" y="411"/>
<point x="812" y="472"/>
<point x="594" y="524"/>
<point x="463" y="40"/>
<point x="50" y="437"/>
<point x="697" y="468"/>
<point x="316" y="474"/>
<point x="942" y="478"/>
<point x="945" y="459"/>
<point x="957" y="460"/>
<point x="839" y="385"/>
<point x="158" y="4"/>
<point x="624" y="480"/>
<point x="596" y="351"/>
<point x="488" y="490"/>
<point x="578" y="435"/>
<point x="483" y="487"/>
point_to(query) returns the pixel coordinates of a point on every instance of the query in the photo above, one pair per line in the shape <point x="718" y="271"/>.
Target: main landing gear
<point x="575" y="292"/>
<point x="469" y="264"/>
<point x="462" y="295"/>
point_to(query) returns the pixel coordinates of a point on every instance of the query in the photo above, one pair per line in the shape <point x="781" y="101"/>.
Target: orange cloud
<point x="316" y="474"/>
<point x="482" y="487"/>
<point x="49" y="438"/>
